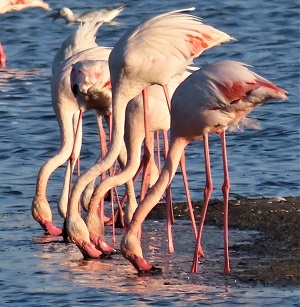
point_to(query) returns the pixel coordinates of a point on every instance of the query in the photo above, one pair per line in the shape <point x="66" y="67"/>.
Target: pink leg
<point x="72" y="157"/>
<point x="167" y="95"/>
<point x="102" y="136"/>
<point x="158" y="150"/>
<point x="148" y="147"/>
<point x="225" y="190"/>
<point x="2" y="57"/>
<point x="207" y="193"/>
<point x="187" y="192"/>
<point x="169" y="204"/>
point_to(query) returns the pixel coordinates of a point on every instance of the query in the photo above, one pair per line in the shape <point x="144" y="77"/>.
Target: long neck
<point x="66" y="133"/>
<point x="103" y="165"/>
<point x="175" y="151"/>
<point x="132" y="164"/>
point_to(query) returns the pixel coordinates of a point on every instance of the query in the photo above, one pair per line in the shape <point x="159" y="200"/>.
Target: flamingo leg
<point x="148" y="146"/>
<point x="73" y="154"/>
<point x="207" y="193"/>
<point x="102" y="136"/>
<point x="225" y="191"/>
<point x="158" y="150"/>
<point x="169" y="205"/>
<point x="187" y="192"/>
<point x="2" y="57"/>
<point x="167" y="95"/>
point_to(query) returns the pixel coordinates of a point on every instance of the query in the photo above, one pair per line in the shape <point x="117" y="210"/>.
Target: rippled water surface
<point x="37" y="270"/>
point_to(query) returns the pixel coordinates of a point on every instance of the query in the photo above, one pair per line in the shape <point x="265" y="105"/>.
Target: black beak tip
<point x="75" y="90"/>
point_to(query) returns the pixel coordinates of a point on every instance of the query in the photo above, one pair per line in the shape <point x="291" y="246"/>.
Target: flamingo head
<point x="90" y="84"/>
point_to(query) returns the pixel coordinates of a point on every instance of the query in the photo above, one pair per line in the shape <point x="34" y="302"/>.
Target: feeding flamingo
<point x="91" y="78"/>
<point x="80" y="45"/>
<point x="18" y="5"/>
<point x="87" y="76"/>
<point x="211" y="100"/>
<point x="105" y="15"/>
<point x="145" y="55"/>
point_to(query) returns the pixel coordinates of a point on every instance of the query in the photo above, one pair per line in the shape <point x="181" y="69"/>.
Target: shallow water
<point x="36" y="270"/>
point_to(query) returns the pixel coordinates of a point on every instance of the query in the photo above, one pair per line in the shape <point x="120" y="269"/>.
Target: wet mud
<point x="273" y="258"/>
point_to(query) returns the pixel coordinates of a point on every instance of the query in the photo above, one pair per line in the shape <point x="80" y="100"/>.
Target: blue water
<point x="41" y="271"/>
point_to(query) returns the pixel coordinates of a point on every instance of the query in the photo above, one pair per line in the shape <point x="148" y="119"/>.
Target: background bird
<point x="18" y="5"/>
<point x="105" y="15"/>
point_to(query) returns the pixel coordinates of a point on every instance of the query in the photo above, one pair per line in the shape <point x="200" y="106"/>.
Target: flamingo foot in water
<point x="50" y="228"/>
<point x="130" y="249"/>
<point x="104" y="247"/>
<point x="88" y="250"/>
<point x="141" y="265"/>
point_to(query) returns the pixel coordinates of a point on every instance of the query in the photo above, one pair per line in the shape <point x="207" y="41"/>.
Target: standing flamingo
<point x="80" y="45"/>
<point x="2" y="57"/>
<point x="18" y="5"/>
<point x="212" y="99"/>
<point x="151" y="53"/>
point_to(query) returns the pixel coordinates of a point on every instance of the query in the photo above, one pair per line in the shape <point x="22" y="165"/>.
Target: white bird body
<point x="163" y="46"/>
<point x="18" y="5"/>
<point x="209" y="101"/>
<point x="105" y="15"/>
<point x="83" y="38"/>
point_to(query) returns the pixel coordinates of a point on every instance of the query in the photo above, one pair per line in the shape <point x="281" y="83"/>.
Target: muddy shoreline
<point x="274" y="257"/>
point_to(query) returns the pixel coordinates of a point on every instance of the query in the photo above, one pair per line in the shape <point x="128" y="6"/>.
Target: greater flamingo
<point x="18" y="5"/>
<point x="91" y="78"/>
<point x="105" y="15"/>
<point x="2" y="57"/>
<point x="80" y="45"/>
<point x="90" y="83"/>
<point x="87" y="77"/>
<point x="151" y="53"/>
<point x="212" y="99"/>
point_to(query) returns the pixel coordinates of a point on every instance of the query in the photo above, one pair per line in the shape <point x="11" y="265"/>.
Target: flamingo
<point x="18" y="5"/>
<point x="212" y="100"/>
<point x="90" y="83"/>
<point x="80" y="45"/>
<point x="91" y="78"/>
<point x="105" y="15"/>
<point x="2" y="57"/>
<point x="87" y="77"/>
<point x="150" y="53"/>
